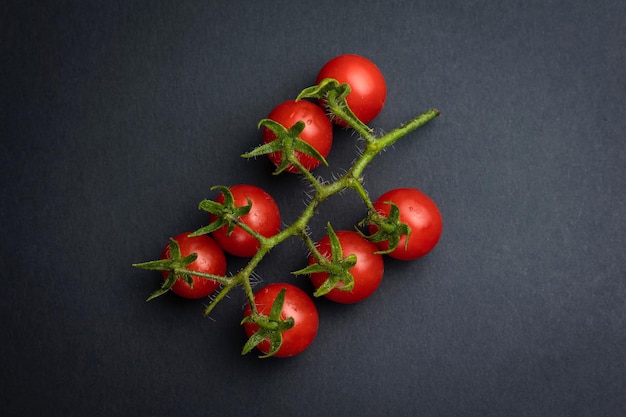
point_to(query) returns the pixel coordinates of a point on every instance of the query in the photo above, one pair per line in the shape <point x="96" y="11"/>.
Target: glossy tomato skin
<point x="263" y="217"/>
<point x="297" y="305"/>
<point x="367" y="272"/>
<point x="318" y="131"/>
<point x="211" y="260"/>
<point x="421" y="214"/>
<point x="368" y="90"/>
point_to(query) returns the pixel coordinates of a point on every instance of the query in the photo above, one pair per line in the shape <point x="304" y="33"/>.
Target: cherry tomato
<point x="420" y="213"/>
<point x="367" y="272"/>
<point x="211" y="260"/>
<point x="297" y="305"/>
<point x="318" y="131"/>
<point x="368" y="89"/>
<point x="263" y="218"/>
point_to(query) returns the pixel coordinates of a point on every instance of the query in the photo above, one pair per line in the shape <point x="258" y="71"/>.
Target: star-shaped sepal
<point x="174" y="264"/>
<point x="337" y="268"/>
<point x="334" y="94"/>
<point x="389" y="229"/>
<point x="270" y="327"/>
<point x="225" y="214"/>
<point x="286" y="144"/>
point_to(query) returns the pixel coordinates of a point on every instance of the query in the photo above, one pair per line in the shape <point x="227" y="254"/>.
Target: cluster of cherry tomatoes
<point x="355" y="264"/>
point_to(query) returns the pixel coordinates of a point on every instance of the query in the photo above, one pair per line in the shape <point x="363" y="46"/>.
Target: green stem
<point x="307" y="174"/>
<point x="409" y="127"/>
<point x="312" y="247"/>
<point x="352" y="179"/>
<point x="259" y="237"/>
<point x="339" y="111"/>
<point x="358" y="187"/>
<point x="376" y="146"/>
<point x="220" y="295"/>
<point x="221" y="279"/>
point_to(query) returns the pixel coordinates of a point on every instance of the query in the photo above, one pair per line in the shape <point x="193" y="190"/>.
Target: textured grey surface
<point x="118" y="117"/>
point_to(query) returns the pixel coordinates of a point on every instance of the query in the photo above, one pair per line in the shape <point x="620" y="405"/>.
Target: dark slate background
<point x="118" y="116"/>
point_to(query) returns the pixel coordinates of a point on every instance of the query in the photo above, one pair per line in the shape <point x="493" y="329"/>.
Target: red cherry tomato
<point x="420" y="213"/>
<point x="211" y="260"/>
<point x="367" y="272"/>
<point x="263" y="218"/>
<point x="368" y="89"/>
<point x="318" y="131"/>
<point x="297" y="305"/>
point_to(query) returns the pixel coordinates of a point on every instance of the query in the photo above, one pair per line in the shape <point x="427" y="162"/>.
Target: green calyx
<point x="338" y="268"/>
<point x="176" y="265"/>
<point x="226" y="213"/>
<point x="334" y="94"/>
<point x="287" y="142"/>
<point x="270" y="327"/>
<point x="389" y="228"/>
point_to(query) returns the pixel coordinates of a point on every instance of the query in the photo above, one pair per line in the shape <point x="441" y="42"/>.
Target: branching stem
<point x="352" y="179"/>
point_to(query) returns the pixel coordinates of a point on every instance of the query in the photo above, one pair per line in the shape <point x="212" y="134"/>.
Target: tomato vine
<point x="225" y="214"/>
